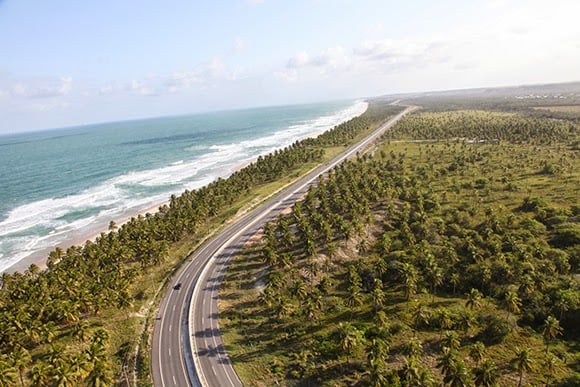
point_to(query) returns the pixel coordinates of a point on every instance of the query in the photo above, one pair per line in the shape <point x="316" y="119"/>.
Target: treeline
<point x="43" y="311"/>
<point x="512" y="99"/>
<point x="387" y="274"/>
<point x="486" y="126"/>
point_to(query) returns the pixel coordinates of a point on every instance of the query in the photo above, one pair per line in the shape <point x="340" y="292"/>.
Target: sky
<point x="69" y="62"/>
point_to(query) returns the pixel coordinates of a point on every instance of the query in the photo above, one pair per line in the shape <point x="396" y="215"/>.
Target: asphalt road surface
<point x="187" y="347"/>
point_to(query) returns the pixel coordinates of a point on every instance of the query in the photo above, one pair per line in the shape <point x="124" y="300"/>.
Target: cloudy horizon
<point x="69" y="63"/>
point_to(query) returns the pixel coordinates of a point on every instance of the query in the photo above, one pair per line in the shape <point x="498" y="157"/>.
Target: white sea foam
<point x="40" y="225"/>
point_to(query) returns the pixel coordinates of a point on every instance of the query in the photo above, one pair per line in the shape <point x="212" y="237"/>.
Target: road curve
<point x="187" y="347"/>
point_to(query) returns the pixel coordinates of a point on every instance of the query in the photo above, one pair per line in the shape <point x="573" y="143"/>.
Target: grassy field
<point x="561" y="109"/>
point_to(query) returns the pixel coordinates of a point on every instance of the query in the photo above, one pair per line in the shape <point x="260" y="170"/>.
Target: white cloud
<point x="39" y="87"/>
<point x="290" y="75"/>
<point x="141" y="87"/>
<point x="299" y="60"/>
<point x="377" y="29"/>
<point x="332" y="57"/>
<point x="46" y="106"/>
<point x="391" y="51"/>
<point x="329" y="59"/>
<point x="204" y="74"/>
<point x="239" y="44"/>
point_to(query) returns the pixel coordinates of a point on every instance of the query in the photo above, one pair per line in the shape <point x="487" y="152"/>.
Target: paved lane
<point x="187" y="347"/>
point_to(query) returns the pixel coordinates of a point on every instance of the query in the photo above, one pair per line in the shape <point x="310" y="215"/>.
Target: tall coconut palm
<point x="350" y="338"/>
<point x="8" y="373"/>
<point x="521" y="363"/>
<point x="40" y="375"/>
<point x="377" y="348"/>
<point x="550" y="363"/>
<point x="552" y="329"/>
<point x="477" y="352"/>
<point x="20" y="359"/>
<point x="512" y="302"/>
<point x="451" y="340"/>
<point x="486" y="374"/>
<point x="377" y="373"/>
<point x="447" y="361"/>
<point x="458" y="376"/>
<point x="421" y="315"/>
<point x="409" y="277"/>
<point x="100" y="375"/>
<point x="445" y="321"/>
<point x="473" y="299"/>
<point x="411" y="371"/>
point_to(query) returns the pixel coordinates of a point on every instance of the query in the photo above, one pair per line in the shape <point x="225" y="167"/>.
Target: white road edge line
<point x="203" y="274"/>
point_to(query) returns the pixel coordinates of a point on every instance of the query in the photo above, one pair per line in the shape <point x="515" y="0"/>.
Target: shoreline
<point x="90" y="235"/>
<point x="92" y="232"/>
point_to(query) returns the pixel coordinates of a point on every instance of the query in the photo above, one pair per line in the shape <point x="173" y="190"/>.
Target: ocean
<point x="60" y="186"/>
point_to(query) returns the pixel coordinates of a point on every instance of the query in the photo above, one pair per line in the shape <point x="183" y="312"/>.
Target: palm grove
<point x="448" y="255"/>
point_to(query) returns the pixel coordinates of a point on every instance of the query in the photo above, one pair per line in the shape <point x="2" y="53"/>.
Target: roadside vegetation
<point x="447" y="255"/>
<point x="78" y="322"/>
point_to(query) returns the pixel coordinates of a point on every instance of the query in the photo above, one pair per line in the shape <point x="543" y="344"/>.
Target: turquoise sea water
<point x="60" y="185"/>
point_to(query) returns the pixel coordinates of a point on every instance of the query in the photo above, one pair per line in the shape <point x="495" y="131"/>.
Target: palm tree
<point x="350" y="338"/>
<point x="465" y="320"/>
<point x="413" y="348"/>
<point x="100" y="375"/>
<point x="550" y="366"/>
<point x="452" y="340"/>
<point x="376" y="349"/>
<point x="409" y="276"/>
<point x="477" y="352"/>
<point x="299" y="290"/>
<point x="7" y="372"/>
<point x="445" y="321"/>
<point x="459" y="376"/>
<point x="40" y="375"/>
<point x="473" y="299"/>
<point x="354" y="297"/>
<point x="512" y="302"/>
<point x="378" y="295"/>
<point x="381" y="318"/>
<point x="552" y="329"/>
<point x="377" y="373"/>
<point x="20" y="358"/>
<point x="447" y="361"/>
<point x="567" y="300"/>
<point x="486" y="375"/>
<point x="79" y="365"/>
<point x="411" y="372"/>
<point x="522" y="363"/>
<point x="421" y="316"/>
<point x="454" y="279"/>
<point x="80" y="330"/>
<point x="282" y="308"/>
<point x="63" y="374"/>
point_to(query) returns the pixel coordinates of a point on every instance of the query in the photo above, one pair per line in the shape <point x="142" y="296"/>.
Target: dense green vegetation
<point x="448" y="255"/>
<point x="78" y="321"/>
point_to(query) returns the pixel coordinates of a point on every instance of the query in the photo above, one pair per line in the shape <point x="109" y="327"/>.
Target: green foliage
<point x="495" y="330"/>
<point x="83" y="283"/>
<point x="433" y="215"/>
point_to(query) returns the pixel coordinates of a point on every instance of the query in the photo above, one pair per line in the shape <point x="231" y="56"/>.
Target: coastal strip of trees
<point x="50" y="333"/>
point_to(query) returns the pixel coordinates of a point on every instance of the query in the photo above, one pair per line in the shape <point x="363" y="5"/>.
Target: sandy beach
<point x="78" y="238"/>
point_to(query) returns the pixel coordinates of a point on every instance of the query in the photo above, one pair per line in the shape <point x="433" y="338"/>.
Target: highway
<point x="187" y="347"/>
